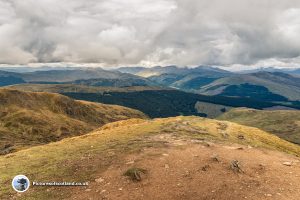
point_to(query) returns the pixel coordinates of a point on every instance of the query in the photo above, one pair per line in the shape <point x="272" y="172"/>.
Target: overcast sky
<point x="151" y="32"/>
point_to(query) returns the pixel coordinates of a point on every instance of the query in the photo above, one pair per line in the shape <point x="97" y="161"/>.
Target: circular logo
<point x="20" y="183"/>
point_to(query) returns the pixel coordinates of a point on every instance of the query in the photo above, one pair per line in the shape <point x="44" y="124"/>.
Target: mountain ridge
<point x="28" y="118"/>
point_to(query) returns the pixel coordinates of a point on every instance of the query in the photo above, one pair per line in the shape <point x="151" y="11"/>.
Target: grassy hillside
<point x="283" y="123"/>
<point x="66" y="88"/>
<point x="83" y="158"/>
<point x="28" y="118"/>
<point x="268" y="85"/>
<point x="212" y="110"/>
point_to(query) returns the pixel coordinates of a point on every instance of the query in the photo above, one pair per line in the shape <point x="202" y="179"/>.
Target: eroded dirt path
<point x="199" y="170"/>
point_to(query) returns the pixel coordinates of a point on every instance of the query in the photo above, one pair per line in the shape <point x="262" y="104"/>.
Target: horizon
<point x="95" y="65"/>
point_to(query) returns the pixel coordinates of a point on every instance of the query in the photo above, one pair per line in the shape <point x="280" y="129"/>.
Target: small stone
<point x="99" y="180"/>
<point x="287" y="164"/>
<point x="241" y="137"/>
<point x="167" y="166"/>
<point x="215" y="158"/>
<point x="268" y="195"/>
<point x="205" y="168"/>
<point x="130" y="162"/>
<point x="120" y="189"/>
<point x="88" y="190"/>
<point x="102" y="191"/>
<point x="165" y="154"/>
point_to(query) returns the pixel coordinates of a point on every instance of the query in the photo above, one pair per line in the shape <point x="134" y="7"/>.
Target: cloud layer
<point x="150" y="32"/>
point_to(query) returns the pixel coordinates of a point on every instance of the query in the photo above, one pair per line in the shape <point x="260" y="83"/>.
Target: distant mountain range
<point x="292" y="71"/>
<point x="88" y="76"/>
<point x="272" y="85"/>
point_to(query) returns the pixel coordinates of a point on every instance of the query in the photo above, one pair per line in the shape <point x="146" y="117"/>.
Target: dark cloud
<point x="151" y="32"/>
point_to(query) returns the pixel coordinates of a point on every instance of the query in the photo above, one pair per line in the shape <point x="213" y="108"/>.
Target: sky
<point x="228" y="33"/>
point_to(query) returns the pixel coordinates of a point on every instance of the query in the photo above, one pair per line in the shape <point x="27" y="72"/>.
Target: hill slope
<point x="270" y="86"/>
<point x="28" y="118"/>
<point x="183" y="78"/>
<point x="283" y="123"/>
<point x="87" y="76"/>
<point x="188" y="152"/>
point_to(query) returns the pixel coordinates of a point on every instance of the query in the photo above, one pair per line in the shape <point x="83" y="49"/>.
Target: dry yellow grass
<point x="64" y="88"/>
<point x="80" y="158"/>
<point x="283" y="123"/>
<point x="28" y="118"/>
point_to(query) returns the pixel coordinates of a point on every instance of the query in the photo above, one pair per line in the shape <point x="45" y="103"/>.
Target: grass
<point x="134" y="173"/>
<point x="283" y="123"/>
<point x="65" y="88"/>
<point x="82" y="158"/>
<point x="28" y="119"/>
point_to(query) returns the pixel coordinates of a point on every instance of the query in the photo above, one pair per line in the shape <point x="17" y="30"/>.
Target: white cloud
<point x="150" y="32"/>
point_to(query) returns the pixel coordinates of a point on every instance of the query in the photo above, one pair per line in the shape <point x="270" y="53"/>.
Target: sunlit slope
<point x="283" y="123"/>
<point x="82" y="157"/>
<point x="28" y="118"/>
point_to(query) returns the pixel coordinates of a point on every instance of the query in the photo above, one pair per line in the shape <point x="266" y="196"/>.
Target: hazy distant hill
<point x="10" y="78"/>
<point x="291" y="71"/>
<point x="88" y="76"/>
<point x="74" y="75"/>
<point x="283" y="123"/>
<point x="28" y="118"/>
<point x="156" y="71"/>
<point x="181" y="78"/>
<point x="270" y="86"/>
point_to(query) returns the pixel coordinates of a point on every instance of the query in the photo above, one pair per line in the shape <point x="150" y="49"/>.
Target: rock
<point x="167" y="166"/>
<point x="287" y="163"/>
<point x="165" y="154"/>
<point x="130" y="162"/>
<point x="99" y="180"/>
<point x="102" y="191"/>
<point x="236" y="167"/>
<point x="215" y="158"/>
<point x="120" y="189"/>
<point x="205" y="168"/>
<point x="88" y="190"/>
<point x="241" y="137"/>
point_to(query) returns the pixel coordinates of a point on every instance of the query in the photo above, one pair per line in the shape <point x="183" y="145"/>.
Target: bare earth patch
<point x="188" y="169"/>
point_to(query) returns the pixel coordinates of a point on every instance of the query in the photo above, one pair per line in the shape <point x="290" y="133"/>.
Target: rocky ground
<point x="198" y="170"/>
